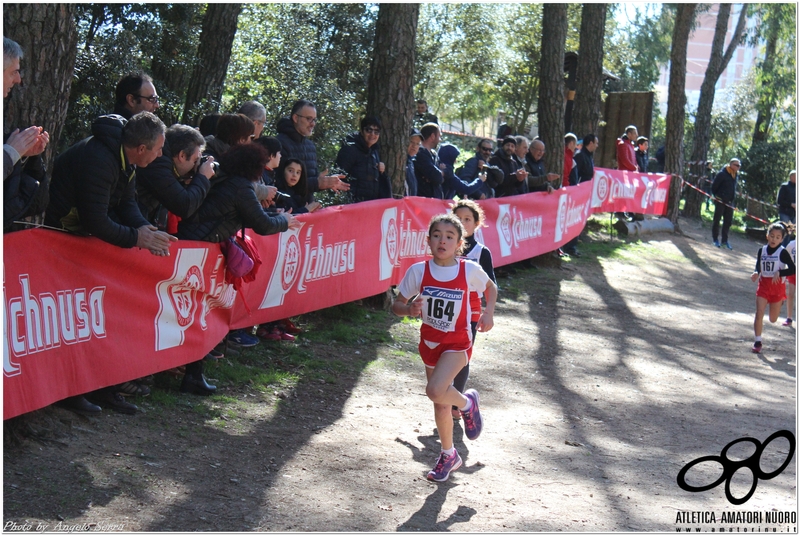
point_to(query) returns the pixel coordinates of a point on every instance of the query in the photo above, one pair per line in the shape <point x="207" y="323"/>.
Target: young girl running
<point x="768" y="274"/>
<point x="441" y="287"/>
<point x="790" y="281"/>
<point x="472" y="218"/>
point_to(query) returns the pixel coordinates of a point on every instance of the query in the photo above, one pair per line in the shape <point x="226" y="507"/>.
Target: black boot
<point x="110" y="397"/>
<point x="194" y="381"/>
<point x="80" y="405"/>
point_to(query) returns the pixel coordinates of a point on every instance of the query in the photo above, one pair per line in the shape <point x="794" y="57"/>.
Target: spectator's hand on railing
<point x="154" y="240"/>
<point x="25" y="140"/>
<point x="313" y="206"/>
<point x="294" y="223"/>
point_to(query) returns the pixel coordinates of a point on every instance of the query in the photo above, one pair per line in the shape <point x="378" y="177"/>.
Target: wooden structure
<point x="619" y="111"/>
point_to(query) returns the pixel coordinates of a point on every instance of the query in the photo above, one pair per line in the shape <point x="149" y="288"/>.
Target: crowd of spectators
<point x="136" y="183"/>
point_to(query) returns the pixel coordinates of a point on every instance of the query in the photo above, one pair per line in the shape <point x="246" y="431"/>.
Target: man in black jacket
<point x="515" y="181"/>
<point x="537" y="178"/>
<point x="584" y="160"/>
<point x="175" y="182"/>
<point x="359" y="157"/>
<point x="723" y="189"/>
<point x="429" y="176"/>
<point x="92" y="191"/>
<point x="294" y="133"/>
<point x="24" y="177"/>
<point x="786" y="199"/>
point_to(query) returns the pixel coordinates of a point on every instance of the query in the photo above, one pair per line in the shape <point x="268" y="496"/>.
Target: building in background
<point x="699" y="45"/>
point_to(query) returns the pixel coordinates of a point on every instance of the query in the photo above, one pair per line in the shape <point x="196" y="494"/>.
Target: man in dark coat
<point x="24" y="178"/>
<point x="479" y="164"/>
<point x="584" y="160"/>
<point x="786" y="199"/>
<point x="93" y="187"/>
<point x="429" y="177"/>
<point x="723" y="189"/>
<point x="537" y="178"/>
<point x="294" y="133"/>
<point x="515" y="181"/>
<point x="642" y="154"/>
<point x="359" y="157"/>
<point x="175" y="182"/>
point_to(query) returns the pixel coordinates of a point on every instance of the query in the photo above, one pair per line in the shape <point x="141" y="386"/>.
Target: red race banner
<point x="80" y="314"/>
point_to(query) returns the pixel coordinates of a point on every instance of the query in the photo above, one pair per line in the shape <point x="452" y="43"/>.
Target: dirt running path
<point x="600" y="381"/>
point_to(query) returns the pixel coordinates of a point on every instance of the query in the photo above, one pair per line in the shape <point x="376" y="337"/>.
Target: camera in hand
<point x="281" y="199"/>
<point x="214" y="165"/>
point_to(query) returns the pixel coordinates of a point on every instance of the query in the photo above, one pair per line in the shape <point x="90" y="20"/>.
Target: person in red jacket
<point x="625" y="150"/>
<point x="625" y="157"/>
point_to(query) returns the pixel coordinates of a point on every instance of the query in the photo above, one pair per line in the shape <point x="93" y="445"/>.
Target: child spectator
<point x="439" y="289"/>
<point x="472" y="218"/>
<point x="294" y="183"/>
<point x="773" y="263"/>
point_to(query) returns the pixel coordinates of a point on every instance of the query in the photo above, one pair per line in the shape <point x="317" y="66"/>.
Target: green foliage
<point x="636" y="53"/>
<point x="117" y="39"/>
<point x="319" y="52"/>
<point x="765" y="167"/>
<point x="775" y="77"/>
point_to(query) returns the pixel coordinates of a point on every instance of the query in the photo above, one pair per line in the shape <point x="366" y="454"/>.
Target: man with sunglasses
<point x="359" y="156"/>
<point x="135" y="93"/>
<point x="479" y="164"/>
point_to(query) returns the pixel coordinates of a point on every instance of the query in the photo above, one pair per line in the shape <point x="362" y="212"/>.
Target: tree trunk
<point x="169" y="68"/>
<point x="764" y="111"/>
<point x="390" y="92"/>
<point x="48" y="37"/>
<point x="588" y="95"/>
<point x="675" y="115"/>
<point x="204" y="94"/>
<point x="551" y="126"/>
<point x="719" y="59"/>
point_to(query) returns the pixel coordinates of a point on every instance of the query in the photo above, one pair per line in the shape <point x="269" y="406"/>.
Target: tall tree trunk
<point x="390" y="93"/>
<point x="588" y="97"/>
<point x="719" y="59"/>
<point x="551" y="100"/>
<point x="169" y="67"/>
<point x="675" y="115"/>
<point x="48" y="37"/>
<point x="204" y="94"/>
<point x="764" y="110"/>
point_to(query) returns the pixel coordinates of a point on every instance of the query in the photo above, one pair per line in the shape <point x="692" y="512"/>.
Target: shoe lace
<point x="442" y="459"/>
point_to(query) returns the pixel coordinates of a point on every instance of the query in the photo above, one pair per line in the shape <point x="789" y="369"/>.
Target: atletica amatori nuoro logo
<point x="730" y="466"/>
